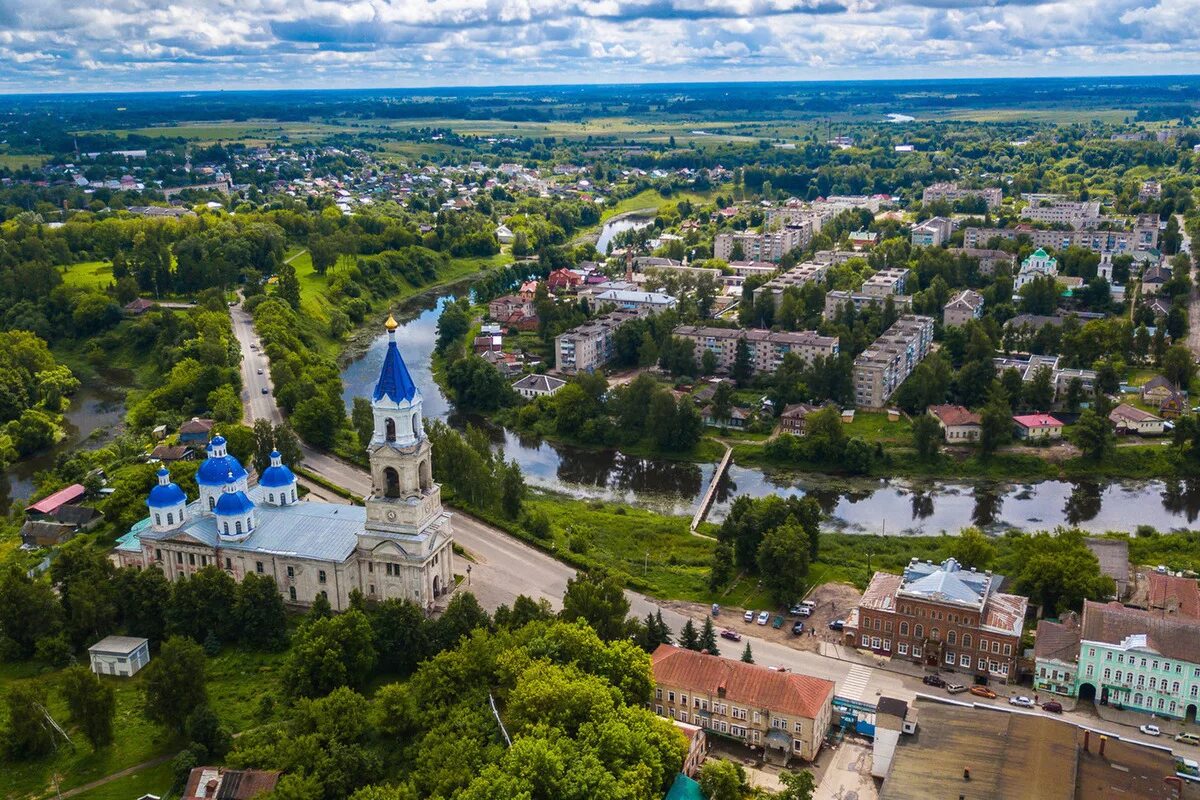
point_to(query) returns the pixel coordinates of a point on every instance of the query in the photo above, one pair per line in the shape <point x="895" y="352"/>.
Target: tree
<point x="91" y="703"/>
<point x="783" y="561"/>
<point x="462" y="616"/>
<point x="400" y="635"/>
<point x="259" y="612"/>
<point x="995" y="423"/>
<point x="742" y="365"/>
<point x="598" y="599"/>
<point x="362" y="417"/>
<point x="688" y="638"/>
<point x="145" y="595"/>
<point x="796" y="785"/>
<point x="224" y="405"/>
<point x="512" y="490"/>
<point x="1039" y="392"/>
<point x="28" y="735"/>
<point x="288" y="286"/>
<point x="927" y="436"/>
<point x="204" y="728"/>
<point x="329" y="652"/>
<point x="1057" y="571"/>
<point x="708" y="362"/>
<point x="173" y="683"/>
<point x="708" y="638"/>
<point x="972" y="549"/>
<point x="29" y="611"/>
<point x="1093" y="435"/>
<point x="1178" y="366"/>
<point x="722" y="402"/>
<point x="722" y="780"/>
<point x="264" y="444"/>
<point x="747" y="656"/>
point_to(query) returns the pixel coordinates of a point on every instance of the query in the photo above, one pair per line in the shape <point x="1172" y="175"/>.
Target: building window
<point x="670" y="697"/>
<point x="371" y="589"/>
<point x="179" y="558"/>
<point x="228" y="563"/>
<point x="157" y="554"/>
<point x="226" y="528"/>
<point x="325" y="594"/>
<point x="192" y="559"/>
<point x="904" y="629"/>
<point x="1008" y="649"/>
<point x="951" y="637"/>
<point x="658" y="694"/>
<point x="966" y="640"/>
<point x="658" y="710"/>
<point x="292" y="593"/>
<point x="902" y="648"/>
<point x="799" y="727"/>
<point x="370" y="566"/>
<point x="996" y="647"/>
<point x="258" y="567"/>
<point x="1089" y="670"/>
<point x="919" y="631"/>
<point x="320" y="576"/>
<point x="934" y="634"/>
<point x="1107" y="673"/>
<point x="964" y="661"/>
<point x="950" y="658"/>
<point x="157" y="519"/>
<point x="291" y="572"/>
<point x="983" y="645"/>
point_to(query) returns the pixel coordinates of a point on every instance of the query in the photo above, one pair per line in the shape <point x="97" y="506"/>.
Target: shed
<point x="119" y="655"/>
<point x="48" y="505"/>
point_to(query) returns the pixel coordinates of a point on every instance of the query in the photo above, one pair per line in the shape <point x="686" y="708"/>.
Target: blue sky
<point x="76" y="45"/>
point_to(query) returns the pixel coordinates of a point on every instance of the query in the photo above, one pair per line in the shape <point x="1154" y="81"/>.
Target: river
<point x="624" y="222"/>
<point x="894" y="506"/>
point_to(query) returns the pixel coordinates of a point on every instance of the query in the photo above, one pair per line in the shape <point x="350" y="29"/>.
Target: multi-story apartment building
<point x="769" y="246"/>
<point x="629" y="300"/>
<point x="989" y="260"/>
<point x="1084" y="214"/>
<point x="835" y="300"/>
<point x="762" y="707"/>
<point x="798" y="215"/>
<point x="1060" y="376"/>
<point x="1142" y="660"/>
<point x="747" y="269"/>
<point x="952" y="192"/>
<point x="808" y="272"/>
<point x="881" y="368"/>
<point x="932" y="232"/>
<point x="587" y="347"/>
<point x="892" y="280"/>
<point x="941" y="615"/>
<point x="1143" y="236"/>
<point x="767" y="348"/>
<point x="962" y="308"/>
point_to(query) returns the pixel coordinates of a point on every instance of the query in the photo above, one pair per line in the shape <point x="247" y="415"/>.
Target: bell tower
<point x="404" y="498"/>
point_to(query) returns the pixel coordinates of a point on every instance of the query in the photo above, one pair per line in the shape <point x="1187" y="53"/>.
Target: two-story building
<point x="780" y="711"/>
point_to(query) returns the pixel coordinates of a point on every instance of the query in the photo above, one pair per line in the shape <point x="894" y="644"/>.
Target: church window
<point x="325" y="594"/>
<point x="271" y="497"/>
<point x="291" y="572"/>
<point x="238" y="527"/>
<point x="157" y="554"/>
<point x="258" y="567"/>
<point x="414" y="425"/>
<point x="170" y="518"/>
<point x="292" y="593"/>
<point x="321" y="576"/>
<point x="389" y="427"/>
<point x="157" y="519"/>
<point x="179" y="558"/>
<point x="371" y="588"/>
<point x="293" y="495"/>
<point x="228" y="563"/>
<point x="212" y="502"/>
<point x="370" y="566"/>
<point x="192" y="559"/>
<point x="226" y="528"/>
<point x="391" y="480"/>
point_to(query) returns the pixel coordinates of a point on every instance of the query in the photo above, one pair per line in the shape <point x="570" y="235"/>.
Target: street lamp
<point x="468" y="574"/>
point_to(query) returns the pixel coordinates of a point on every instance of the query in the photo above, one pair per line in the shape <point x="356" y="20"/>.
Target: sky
<point x="82" y="45"/>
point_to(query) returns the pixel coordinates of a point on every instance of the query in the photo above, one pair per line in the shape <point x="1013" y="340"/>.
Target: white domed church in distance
<point x="399" y="545"/>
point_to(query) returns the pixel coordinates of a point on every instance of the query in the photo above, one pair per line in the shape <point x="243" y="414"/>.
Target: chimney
<point x="1087" y="738"/>
<point x="210" y="788"/>
<point x="966" y="774"/>
<point x="1103" y="739"/>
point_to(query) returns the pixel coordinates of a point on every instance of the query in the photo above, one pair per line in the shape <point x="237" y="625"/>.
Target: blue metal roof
<point x="215" y="471"/>
<point x="233" y="504"/>
<point x="394" y="381"/>
<point x="274" y="477"/>
<point x="166" y="496"/>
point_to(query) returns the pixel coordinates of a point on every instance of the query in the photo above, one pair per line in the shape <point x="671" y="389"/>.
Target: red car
<point x="732" y="635"/>
<point x="1053" y="706"/>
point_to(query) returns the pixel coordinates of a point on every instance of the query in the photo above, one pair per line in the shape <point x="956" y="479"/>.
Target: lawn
<point x="875" y="427"/>
<point x="237" y="682"/>
<point x="88" y="275"/>
<point x="156" y="779"/>
<point x="15" y="161"/>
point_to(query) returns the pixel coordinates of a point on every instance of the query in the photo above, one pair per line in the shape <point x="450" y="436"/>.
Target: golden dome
<point x="391" y="323"/>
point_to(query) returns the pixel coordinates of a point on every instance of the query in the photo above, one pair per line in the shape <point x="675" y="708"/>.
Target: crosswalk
<point x="855" y="684"/>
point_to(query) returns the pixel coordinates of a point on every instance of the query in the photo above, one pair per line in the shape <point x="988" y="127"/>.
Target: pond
<point x="894" y="506"/>
<point x="618" y="225"/>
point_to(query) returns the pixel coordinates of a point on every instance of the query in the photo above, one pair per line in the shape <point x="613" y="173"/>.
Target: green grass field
<point x="88" y="275"/>
<point x="18" y="160"/>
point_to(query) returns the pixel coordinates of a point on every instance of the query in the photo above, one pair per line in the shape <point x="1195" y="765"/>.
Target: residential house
<point x="958" y="424"/>
<point x="1037" y="427"/>
<point x="1174" y="406"/>
<point x="47" y="507"/>
<point x="563" y="280"/>
<point x="941" y="614"/>
<point x="1127" y="419"/>
<point x="932" y="232"/>
<point x="774" y="710"/>
<point x="504" y="234"/>
<point x="532" y="386"/>
<point x="1174" y="595"/>
<point x="219" y="783"/>
<point x="962" y="308"/>
<point x="502" y="308"/>
<point x="36" y="533"/>
<point x="738" y="418"/>
<point x="196" y="431"/>
<point x="1056" y="655"/>
<point x="138" y="306"/>
<point x="168" y="453"/>
<point x="1157" y="389"/>
<point x="1154" y="278"/>
<point x="794" y="419"/>
<point x="890" y="281"/>
<point x="119" y="655"/>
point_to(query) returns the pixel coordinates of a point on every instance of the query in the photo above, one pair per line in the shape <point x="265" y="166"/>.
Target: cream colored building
<point x="400" y="545"/>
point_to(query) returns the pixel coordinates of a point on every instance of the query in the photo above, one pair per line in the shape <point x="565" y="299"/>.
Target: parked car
<point x="1020" y="700"/>
<point x="716" y="609"/>
<point x="983" y="691"/>
<point x="955" y="688"/>
<point x="1052" y="706"/>
<point x="837" y="625"/>
<point x="777" y="623"/>
<point x="1187" y="738"/>
<point x="1150" y="730"/>
<point x="798" y="628"/>
<point x="748" y="616"/>
<point x="933" y="680"/>
<point x="265" y="390"/>
<point x="764" y="617"/>
<point x="795" y="610"/>
<point x="732" y="635"/>
<point x="805" y="611"/>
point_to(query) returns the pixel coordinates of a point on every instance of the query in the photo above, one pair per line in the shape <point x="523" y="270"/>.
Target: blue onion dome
<point x="218" y="465"/>
<point x="277" y="474"/>
<point x="395" y="383"/>
<point x="232" y="502"/>
<point x="166" y="494"/>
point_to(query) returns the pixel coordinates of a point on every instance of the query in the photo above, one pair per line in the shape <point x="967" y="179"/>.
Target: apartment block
<point x="808" y="272"/>
<point x="762" y="707"/>
<point x="932" y="232"/>
<point x="746" y="269"/>
<point x="767" y="348"/>
<point x="589" y="346"/>
<point x="769" y="246"/>
<point x="1084" y="214"/>
<point x="1061" y="377"/>
<point x="941" y="615"/>
<point x="962" y="308"/>
<point x="952" y="192"/>
<point x="1143" y="236"/>
<point x="881" y="368"/>
<point x="989" y="260"/>
<point x="836" y="299"/>
<point x="893" y="280"/>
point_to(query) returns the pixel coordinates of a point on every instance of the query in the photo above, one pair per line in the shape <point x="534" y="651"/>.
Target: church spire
<point x="394" y="382"/>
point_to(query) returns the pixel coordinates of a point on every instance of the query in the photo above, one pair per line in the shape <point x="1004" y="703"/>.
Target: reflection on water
<point x="616" y="226"/>
<point x="854" y="505"/>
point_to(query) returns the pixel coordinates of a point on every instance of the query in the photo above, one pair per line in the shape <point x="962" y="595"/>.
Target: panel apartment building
<point x="769" y="246"/>
<point x="1143" y="236"/>
<point x="875" y="290"/>
<point x="952" y="192"/>
<point x="1084" y="214"/>
<point x="587" y="347"/>
<point x="808" y="272"/>
<point x="767" y="348"/>
<point x="881" y="368"/>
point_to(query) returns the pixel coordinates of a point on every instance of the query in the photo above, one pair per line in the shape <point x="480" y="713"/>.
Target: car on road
<point x="1020" y="700"/>
<point x="731" y="635"/>
<point x="955" y="688"/>
<point x="798" y="628"/>
<point x="1150" y="730"/>
<point x="983" y="691"/>
<point x="933" y="680"/>
<point x="764" y="617"/>
<point x="1187" y="738"/>
<point x="260" y="370"/>
<point x="837" y="625"/>
<point x="1053" y="706"/>
<point x="748" y="616"/>
<point x="716" y="609"/>
<point x="265" y="390"/>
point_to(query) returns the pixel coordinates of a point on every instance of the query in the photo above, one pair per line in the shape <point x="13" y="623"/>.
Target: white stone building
<point x="400" y="545"/>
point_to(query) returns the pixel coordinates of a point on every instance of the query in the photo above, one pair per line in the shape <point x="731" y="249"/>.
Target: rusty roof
<point x="1058" y="641"/>
<point x="954" y="415"/>
<point x="1005" y="613"/>
<point x="756" y="686"/>
<point x="881" y="593"/>
<point x="1113" y="623"/>
<point x="1175" y="595"/>
<point x="229" y="784"/>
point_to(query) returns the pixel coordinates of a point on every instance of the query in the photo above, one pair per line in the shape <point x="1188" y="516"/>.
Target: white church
<point x="399" y="545"/>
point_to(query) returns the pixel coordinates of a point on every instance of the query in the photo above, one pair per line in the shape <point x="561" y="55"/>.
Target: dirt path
<point x="87" y="787"/>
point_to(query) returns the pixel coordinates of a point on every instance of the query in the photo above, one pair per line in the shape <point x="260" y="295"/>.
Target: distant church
<point x="399" y="545"/>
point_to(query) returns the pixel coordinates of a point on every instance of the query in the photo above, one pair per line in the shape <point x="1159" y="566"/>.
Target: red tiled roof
<point x="952" y="415"/>
<point x="756" y="686"/>
<point x="48" y="505"/>
<point x="1037" y="421"/>
<point x="1182" y="595"/>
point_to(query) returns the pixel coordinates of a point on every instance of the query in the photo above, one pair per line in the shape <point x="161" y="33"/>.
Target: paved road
<point x="256" y="374"/>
